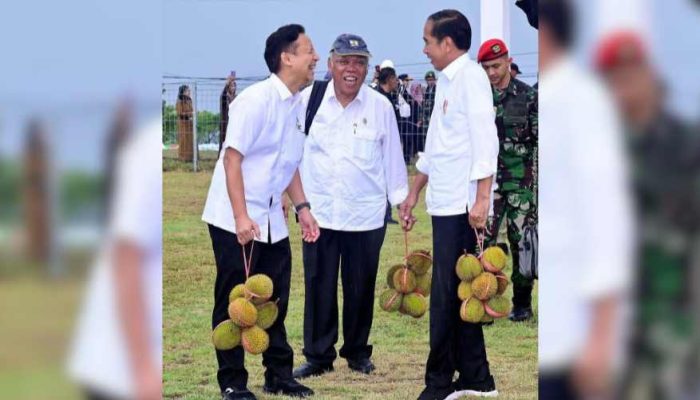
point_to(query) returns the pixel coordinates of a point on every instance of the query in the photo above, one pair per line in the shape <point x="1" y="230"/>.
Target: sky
<point x="210" y="38"/>
<point x="71" y="62"/>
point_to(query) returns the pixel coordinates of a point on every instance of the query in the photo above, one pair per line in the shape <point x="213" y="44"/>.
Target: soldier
<point x="515" y="198"/>
<point x="664" y="152"/>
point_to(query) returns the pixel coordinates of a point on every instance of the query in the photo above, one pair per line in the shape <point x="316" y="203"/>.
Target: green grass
<point x="400" y="342"/>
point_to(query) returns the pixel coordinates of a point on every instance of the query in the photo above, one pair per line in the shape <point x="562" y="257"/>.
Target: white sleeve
<point x="483" y="134"/>
<point x="394" y="165"/>
<point x="137" y="204"/>
<point x="607" y="242"/>
<point x="246" y="118"/>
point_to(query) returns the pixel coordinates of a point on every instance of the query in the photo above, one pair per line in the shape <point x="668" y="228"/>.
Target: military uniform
<point x="666" y="183"/>
<point x="515" y="199"/>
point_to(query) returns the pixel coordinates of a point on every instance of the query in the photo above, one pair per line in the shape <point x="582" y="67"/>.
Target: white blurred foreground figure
<point x="585" y="222"/>
<point x="118" y="344"/>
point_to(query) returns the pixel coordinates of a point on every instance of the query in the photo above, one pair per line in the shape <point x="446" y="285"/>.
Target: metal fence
<point x="191" y="133"/>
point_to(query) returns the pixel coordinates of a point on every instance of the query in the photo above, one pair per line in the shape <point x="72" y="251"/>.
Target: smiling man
<point x="352" y="162"/>
<point x="260" y="160"/>
<point x="458" y="165"/>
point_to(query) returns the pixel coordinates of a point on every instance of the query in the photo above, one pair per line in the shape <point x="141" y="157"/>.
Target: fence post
<point x="194" y="128"/>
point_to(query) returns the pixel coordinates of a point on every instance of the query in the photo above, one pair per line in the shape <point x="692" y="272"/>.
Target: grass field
<point x="400" y="342"/>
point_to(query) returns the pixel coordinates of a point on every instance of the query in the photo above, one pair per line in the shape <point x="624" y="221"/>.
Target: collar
<point x="450" y="71"/>
<point x="282" y="89"/>
<point x="512" y="88"/>
<point x="361" y="95"/>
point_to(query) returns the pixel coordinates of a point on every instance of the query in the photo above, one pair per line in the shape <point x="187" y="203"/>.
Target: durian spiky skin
<point x="390" y="275"/>
<point x="471" y="310"/>
<point x="484" y="286"/>
<point x="414" y="304"/>
<point x="424" y="284"/>
<point x="497" y="307"/>
<point x="259" y="288"/>
<point x="267" y="314"/>
<point x="464" y="290"/>
<point x="419" y="262"/>
<point x="390" y="300"/>
<point x="494" y="259"/>
<point x="238" y="291"/>
<point x="404" y="280"/>
<point x="468" y="267"/>
<point x="255" y="340"/>
<point x="242" y="312"/>
<point x="226" y="335"/>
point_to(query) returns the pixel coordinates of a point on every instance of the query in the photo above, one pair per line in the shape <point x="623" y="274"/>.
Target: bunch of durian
<point x="482" y="286"/>
<point x="409" y="285"/>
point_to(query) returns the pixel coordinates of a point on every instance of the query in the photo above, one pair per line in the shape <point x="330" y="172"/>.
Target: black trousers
<point x="273" y="260"/>
<point x="556" y="387"/>
<point x="357" y="255"/>
<point x="455" y="345"/>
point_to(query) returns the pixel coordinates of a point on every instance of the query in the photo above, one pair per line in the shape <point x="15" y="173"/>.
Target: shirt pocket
<point x="515" y="122"/>
<point x="294" y="148"/>
<point x="365" y="143"/>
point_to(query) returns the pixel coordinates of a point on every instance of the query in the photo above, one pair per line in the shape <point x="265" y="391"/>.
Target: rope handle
<point x="480" y="238"/>
<point x="405" y="242"/>
<point x="247" y="261"/>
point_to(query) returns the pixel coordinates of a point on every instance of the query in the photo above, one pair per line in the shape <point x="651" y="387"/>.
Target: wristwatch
<point x="300" y="206"/>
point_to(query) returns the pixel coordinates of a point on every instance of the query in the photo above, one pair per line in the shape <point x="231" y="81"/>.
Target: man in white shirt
<point x="458" y="165"/>
<point x="586" y="260"/>
<point x="261" y="154"/>
<point x="352" y="163"/>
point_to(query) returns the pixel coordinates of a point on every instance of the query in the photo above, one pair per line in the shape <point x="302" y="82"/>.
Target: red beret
<point x="492" y="48"/>
<point x="619" y="48"/>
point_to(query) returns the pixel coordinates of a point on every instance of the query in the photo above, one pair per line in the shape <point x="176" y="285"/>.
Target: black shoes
<point x="520" y="314"/>
<point x="431" y="393"/>
<point x="363" y="366"/>
<point x="310" y="369"/>
<point x="287" y="387"/>
<point x="237" y="394"/>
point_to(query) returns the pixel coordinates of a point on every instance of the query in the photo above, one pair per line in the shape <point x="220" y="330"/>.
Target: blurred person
<point x="36" y="194"/>
<point x="408" y="117"/>
<point x="428" y="104"/>
<point x="375" y="77"/>
<point x="243" y="205"/>
<point x="185" y="135"/>
<point x="228" y="94"/>
<point x="458" y="165"/>
<point x="585" y="224"/>
<point x="120" y="131"/>
<point x="665" y="155"/>
<point x="514" y="70"/>
<point x="117" y="350"/>
<point x="387" y="85"/>
<point x="348" y="204"/>
<point x="416" y="90"/>
<point x="515" y="200"/>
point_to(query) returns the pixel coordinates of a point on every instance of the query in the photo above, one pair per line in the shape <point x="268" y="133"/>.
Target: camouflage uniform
<point x="516" y="197"/>
<point x="666" y="183"/>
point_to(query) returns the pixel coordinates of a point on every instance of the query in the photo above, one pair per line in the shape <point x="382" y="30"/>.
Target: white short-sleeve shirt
<point x="462" y="141"/>
<point x="352" y="161"/>
<point x="265" y="128"/>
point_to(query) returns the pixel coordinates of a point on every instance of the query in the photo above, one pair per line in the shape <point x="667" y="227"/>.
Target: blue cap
<point x="350" y="45"/>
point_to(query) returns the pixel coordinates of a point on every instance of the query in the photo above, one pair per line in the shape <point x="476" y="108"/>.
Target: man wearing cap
<point x="458" y="166"/>
<point x="515" y="199"/>
<point x="408" y="117"/>
<point x="663" y="152"/>
<point x="352" y="162"/>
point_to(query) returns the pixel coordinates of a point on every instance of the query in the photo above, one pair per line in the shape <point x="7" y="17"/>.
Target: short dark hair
<point x="385" y="74"/>
<point x="452" y="23"/>
<point x="281" y="40"/>
<point x="558" y="15"/>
